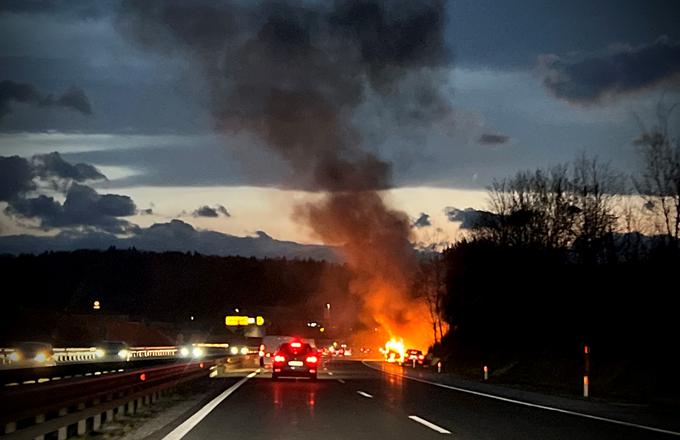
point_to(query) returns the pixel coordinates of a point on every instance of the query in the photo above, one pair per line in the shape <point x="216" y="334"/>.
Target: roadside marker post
<point x="439" y="367"/>
<point x="486" y="373"/>
<point x="586" y="371"/>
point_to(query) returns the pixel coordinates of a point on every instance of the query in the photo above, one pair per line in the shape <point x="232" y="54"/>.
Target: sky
<point x="136" y="108"/>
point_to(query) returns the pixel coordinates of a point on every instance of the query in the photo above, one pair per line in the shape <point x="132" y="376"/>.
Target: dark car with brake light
<point x="294" y="359"/>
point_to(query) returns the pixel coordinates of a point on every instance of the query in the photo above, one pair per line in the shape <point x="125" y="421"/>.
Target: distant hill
<point x="173" y="236"/>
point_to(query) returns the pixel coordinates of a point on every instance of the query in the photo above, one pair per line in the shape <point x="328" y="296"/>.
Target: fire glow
<point x="394" y="350"/>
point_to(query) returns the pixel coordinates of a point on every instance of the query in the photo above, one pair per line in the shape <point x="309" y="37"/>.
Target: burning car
<point x="394" y="351"/>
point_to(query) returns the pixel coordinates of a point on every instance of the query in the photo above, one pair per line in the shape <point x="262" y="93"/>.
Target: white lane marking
<point x="362" y="393"/>
<point x="330" y="373"/>
<point x="195" y="419"/>
<point x="430" y="425"/>
<point x="534" y="405"/>
<point x="341" y="381"/>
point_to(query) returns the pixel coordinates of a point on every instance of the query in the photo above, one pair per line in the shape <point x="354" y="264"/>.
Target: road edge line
<point x="533" y="405"/>
<point x="189" y="424"/>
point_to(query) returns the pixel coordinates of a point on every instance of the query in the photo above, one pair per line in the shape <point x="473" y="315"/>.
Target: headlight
<point x="184" y="352"/>
<point x="14" y="356"/>
<point x="123" y="354"/>
<point x="244" y="350"/>
<point x="197" y="352"/>
<point x="233" y="350"/>
<point x="41" y="357"/>
<point x="100" y="353"/>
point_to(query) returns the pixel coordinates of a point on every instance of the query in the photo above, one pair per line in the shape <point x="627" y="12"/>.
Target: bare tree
<point x="431" y="284"/>
<point x="659" y="180"/>
<point x="533" y="208"/>
<point x="597" y="188"/>
<point x="557" y="208"/>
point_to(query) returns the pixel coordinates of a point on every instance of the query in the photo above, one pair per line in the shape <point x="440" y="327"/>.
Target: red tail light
<point x="312" y="359"/>
<point x="279" y="359"/>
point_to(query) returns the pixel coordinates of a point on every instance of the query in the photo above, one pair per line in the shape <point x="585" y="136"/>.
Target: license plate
<point x="295" y="363"/>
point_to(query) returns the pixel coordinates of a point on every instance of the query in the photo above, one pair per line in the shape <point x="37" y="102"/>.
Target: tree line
<point x="571" y="255"/>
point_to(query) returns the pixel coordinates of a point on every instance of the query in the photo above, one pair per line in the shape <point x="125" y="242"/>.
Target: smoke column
<point x="294" y="73"/>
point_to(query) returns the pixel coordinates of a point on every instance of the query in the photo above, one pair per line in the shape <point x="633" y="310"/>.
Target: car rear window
<point x="288" y="349"/>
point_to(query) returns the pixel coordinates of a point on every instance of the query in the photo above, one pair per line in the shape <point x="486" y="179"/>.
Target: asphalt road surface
<point x="352" y="401"/>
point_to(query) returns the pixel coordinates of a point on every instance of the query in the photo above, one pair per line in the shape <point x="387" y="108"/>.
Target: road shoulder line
<point x="189" y="424"/>
<point x="430" y="425"/>
<point x="533" y="405"/>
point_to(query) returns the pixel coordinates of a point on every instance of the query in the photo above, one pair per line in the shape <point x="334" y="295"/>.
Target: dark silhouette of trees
<point x="564" y="207"/>
<point x="658" y="182"/>
<point x="169" y="286"/>
<point x="430" y="284"/>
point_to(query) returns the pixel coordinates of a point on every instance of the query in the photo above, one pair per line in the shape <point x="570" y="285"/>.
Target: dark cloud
<point x="470" y="218"/>
<point x="493" y="139"/>
<point x="82" y="207"/>
<point x="53" y="165"/>
<point x="591" y="79"/>
<point x="422" y="221"/>
<point x="16" y="177"/>
<point x="19" y="175"/>
<point x="10" y="91"/>
<point x="75" y="99"/>
<point x="78" y="8"/>
<point x="207" y="211"/>
<point x="147" y="211"/>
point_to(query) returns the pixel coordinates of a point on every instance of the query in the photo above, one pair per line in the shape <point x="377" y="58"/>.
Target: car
<point x="414" y="357"/>
<point x="393" y="357"/>
<point x="294" y="359"/>
<point x="112" y="351"/>
<point x="32" y="354"/>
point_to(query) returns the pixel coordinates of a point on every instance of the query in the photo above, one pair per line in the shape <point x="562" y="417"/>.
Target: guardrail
<point x="11" y="358"/>
<point x="73" y="407"/>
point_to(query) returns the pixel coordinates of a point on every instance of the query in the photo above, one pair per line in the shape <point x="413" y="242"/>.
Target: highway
<point x="352" y="401"/>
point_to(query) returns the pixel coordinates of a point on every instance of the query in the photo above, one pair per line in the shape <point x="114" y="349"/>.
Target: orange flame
<point x="394" y="350"/>
<point x="375" y="240"/>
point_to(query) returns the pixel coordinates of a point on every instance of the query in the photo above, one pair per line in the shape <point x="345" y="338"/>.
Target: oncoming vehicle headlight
<point x="123" y="354"/>
<point x="40" y="357"/>
<point x="244" y="350"/>
<point x="184" y="352"/>
<point x="233" y="350"/>
<point x="197" y="352"/>
<point x="100" y="353"/>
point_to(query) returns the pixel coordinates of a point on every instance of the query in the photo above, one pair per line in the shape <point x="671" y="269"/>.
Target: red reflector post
<point x="142" y="377"/>
<point x="202" y="365"/>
